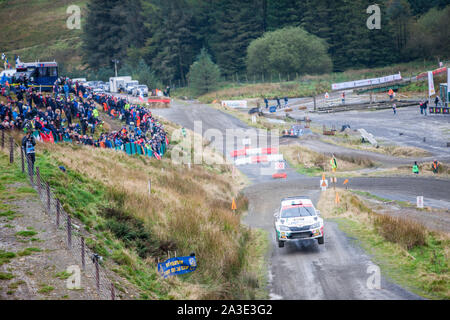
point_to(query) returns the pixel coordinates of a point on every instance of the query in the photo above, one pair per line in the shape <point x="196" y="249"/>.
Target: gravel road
<point x="336" y="270"/>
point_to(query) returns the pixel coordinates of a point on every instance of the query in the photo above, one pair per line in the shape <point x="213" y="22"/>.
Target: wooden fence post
<point x="11" y="150"/>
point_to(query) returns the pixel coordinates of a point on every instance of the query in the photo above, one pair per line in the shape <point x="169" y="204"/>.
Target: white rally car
<point x="297" y="219"/>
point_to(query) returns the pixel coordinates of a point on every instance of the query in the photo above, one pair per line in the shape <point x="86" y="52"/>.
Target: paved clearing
<point x="336" y="270"/>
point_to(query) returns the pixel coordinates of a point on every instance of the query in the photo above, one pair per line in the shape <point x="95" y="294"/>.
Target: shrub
<point x="288" y="50"/>
<point x="407" y="233"/>
<point x="204" y="75"/>
<point x="132" y="232"/>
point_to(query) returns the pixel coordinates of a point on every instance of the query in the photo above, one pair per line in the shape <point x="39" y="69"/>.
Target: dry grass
<point x="189" y="210"/>
<point x="299" y="156"/>
<point x="353" y="141"/>
<point x="404" y="152"/>
<point x="405" y="232"/>
<point x="408" y="252"/>
<point x="425" y="169"/>
<point x="266" y="90"/>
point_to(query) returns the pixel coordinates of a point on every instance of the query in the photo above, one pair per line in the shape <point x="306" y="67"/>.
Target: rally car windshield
<point x="297" y="211"/>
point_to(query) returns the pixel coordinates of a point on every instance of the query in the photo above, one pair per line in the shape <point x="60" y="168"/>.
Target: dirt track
<point x="336" y="270"/>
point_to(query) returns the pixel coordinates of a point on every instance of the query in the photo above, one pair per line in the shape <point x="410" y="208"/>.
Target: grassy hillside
<point x="187" y="211"/>
<point x="37" y="30"/>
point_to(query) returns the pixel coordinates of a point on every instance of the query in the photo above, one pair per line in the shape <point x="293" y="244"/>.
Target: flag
<point x="3" y="56"/>
<point x="47" y="137"/>
<point x="431" y="90"/>
<point x="157" y="155"/>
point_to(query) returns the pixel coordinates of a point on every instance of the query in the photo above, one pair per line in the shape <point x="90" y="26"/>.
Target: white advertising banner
<point x="431" y="90"/>
<point x="448" y="82"/>
<point x="235" y="104"/>
<point x="365" y="82"/>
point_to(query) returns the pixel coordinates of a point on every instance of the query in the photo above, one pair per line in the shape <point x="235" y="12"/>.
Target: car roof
<point x="303" y="201"/>
<point x="296" y="198"/>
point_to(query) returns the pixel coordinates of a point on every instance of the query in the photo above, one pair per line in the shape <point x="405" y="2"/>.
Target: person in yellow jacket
<point x="333" y="163"/>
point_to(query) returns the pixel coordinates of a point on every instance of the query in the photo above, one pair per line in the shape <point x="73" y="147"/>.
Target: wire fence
<point x="74" y="233"/>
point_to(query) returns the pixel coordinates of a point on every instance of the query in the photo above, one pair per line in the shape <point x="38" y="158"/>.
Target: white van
<point x="115" y="83"/>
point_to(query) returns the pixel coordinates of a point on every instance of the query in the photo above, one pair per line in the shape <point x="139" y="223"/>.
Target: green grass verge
<point x="404" y="204"/>
<point x="422" y="270"/>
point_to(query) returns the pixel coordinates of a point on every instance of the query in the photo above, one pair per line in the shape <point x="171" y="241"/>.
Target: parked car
<point x="140" y="90"/>
<point x="106" y="87"/>
<point x="130" y="85"/>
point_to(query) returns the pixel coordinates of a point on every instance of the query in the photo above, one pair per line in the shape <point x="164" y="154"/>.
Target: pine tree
<point x="173" y="44"/>
<point x="203" y="74"/>
<point x="111" y="27"/>
<point x="239" y="22"/>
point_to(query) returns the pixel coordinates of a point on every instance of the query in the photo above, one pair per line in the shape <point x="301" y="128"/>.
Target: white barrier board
<point x="236" y="104"/>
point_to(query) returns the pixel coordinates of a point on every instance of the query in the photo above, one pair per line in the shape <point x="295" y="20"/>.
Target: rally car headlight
<point x="284" y="228"/>
<point x="315" y="225"/>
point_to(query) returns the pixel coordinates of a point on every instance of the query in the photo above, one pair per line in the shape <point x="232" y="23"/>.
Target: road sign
<point x="420" y="202"/>
<point x="324" y="185"/>
<point x="279" y="165"/>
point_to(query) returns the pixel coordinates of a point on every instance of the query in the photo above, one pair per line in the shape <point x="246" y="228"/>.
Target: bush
<point x="288" y="50"/>
<point x="132" y="232"/>
<point x="407" y="233"/>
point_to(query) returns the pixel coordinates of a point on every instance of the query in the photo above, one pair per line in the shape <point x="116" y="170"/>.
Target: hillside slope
<point x="189" y="210"/>
<point x="37" y="30"/>
<point x="33" y="254"/>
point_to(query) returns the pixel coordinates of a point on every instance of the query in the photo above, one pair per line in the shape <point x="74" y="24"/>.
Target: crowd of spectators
<point x="69" y="113"/>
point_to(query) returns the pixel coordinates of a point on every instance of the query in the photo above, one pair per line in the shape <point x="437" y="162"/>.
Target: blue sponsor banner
<point x="273" y="109"/>
<point x="177" y="265"/>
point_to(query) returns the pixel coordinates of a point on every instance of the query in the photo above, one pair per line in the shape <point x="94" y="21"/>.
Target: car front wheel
<point x="280" y="244"/>
<point x="321" y="240"/>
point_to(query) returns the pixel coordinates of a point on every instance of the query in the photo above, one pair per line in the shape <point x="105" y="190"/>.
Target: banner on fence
<point x="435" y="73"/>
<point x="365" y="82"/>
<point x="235" y="104"/>
<point x="177" y="265"/>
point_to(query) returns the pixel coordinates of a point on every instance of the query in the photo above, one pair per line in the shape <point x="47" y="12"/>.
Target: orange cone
<point x="233" y="205"/>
